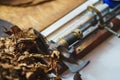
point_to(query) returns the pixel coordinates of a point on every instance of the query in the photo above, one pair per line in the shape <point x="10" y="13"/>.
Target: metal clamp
<point x="98" y="13"/>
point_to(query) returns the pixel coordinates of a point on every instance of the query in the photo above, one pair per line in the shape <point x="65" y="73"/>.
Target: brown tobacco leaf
<point x="26" y="45"/>
<point x="77" y="76"/>
<point x="22" y="2"/>
<point x="16" y="29"/>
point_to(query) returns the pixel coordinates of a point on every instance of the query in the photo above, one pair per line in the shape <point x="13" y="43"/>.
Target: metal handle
<point x="111" y="31"/>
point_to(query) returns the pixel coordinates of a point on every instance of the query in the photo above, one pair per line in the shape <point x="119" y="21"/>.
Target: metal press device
<point x="81" y="30"/>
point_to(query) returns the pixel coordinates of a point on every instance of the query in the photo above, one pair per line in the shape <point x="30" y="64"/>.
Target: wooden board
<point x="39" y="16"/>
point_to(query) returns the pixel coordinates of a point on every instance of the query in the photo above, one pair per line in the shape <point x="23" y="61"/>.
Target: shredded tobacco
<point x="20" y="58"/>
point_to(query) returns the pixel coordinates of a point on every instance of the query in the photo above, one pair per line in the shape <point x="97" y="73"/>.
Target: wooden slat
<point x="39" y="16"/>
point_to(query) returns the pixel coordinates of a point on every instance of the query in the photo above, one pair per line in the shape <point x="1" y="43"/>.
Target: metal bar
<point x="111" y="31"/>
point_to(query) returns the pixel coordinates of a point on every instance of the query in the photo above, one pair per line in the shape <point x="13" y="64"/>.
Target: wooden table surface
<point x="39" y="16"/>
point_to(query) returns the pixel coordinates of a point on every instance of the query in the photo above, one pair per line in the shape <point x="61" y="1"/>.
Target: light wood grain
<point x="39" y="16"/>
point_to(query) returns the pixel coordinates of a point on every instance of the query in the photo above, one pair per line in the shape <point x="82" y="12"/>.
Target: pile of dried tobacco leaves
<point x="20" y="58"/>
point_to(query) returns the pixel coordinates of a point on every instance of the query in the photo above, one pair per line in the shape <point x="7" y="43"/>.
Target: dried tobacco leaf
<point x="77" y="76"/>
<point x="26" y="45"/>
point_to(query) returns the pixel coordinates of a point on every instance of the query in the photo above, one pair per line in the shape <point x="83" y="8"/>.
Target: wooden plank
<point x="39" y="16"/>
